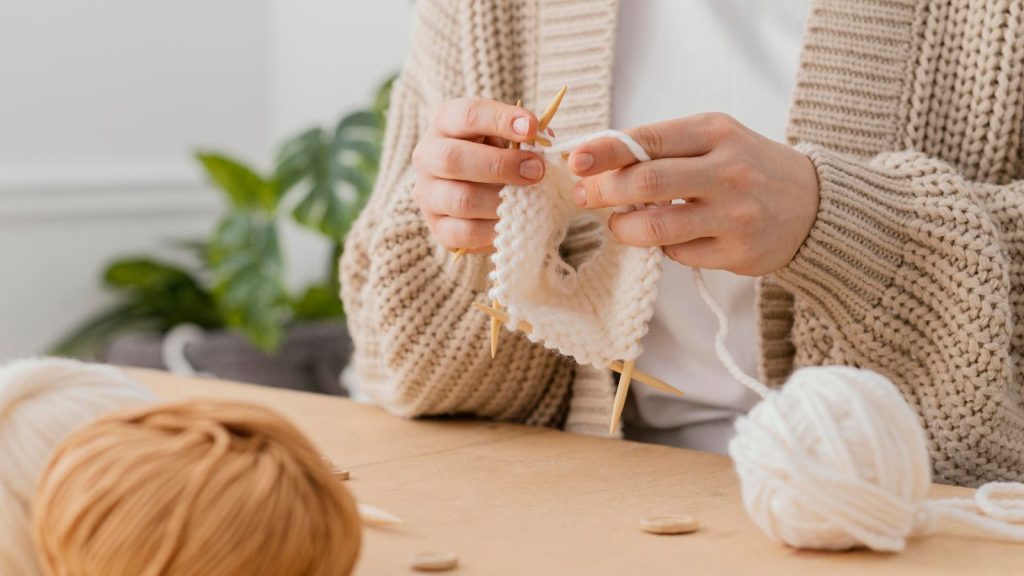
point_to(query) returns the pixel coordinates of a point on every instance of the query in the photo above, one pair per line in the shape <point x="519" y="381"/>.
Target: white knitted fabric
<point x="597" y="313"/>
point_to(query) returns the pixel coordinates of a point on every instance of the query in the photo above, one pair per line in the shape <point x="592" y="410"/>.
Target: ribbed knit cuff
<point x="857" y="245"/>
<point x="590" y="408"/>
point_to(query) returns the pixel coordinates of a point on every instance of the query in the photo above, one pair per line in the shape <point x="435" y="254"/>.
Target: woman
<point x="885" y="235"/>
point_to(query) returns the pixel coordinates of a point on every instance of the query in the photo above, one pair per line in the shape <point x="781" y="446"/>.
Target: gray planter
<point x="310" y="358"/>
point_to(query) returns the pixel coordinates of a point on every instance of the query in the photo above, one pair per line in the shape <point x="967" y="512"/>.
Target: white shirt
<point x="675" y="58"/>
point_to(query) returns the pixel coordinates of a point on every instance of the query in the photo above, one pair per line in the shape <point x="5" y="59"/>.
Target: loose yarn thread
<point x="836" y="459"/>
<point x="193" y="488"/>
<point x="596" y="313"/>
<point x="42" y="400"/>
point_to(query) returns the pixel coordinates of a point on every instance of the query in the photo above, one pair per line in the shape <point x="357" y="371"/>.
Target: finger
<point x="458" y="198"/>
<point x="678" y="138"/>
<point x="473" y="117"/>
<point x="454" y="233"/>
<point x="453" y="159"/>
<point x="664" y="225"/>
<point x="654" y="181"/>
<point x="698" y="253"/>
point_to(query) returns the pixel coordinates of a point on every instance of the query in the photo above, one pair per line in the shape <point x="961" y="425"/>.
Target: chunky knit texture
<point x="912" y="113"/>
<point x="596" y="312"/>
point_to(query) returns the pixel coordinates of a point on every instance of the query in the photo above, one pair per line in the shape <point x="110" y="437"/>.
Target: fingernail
<point x="579" y="195"/>
<point x="531" y="169"/>
<point x="582" y="162"/>
<point x="521" y="125"/>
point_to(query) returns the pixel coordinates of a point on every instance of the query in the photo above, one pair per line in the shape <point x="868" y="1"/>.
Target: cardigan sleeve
<point x="914" y="271"/>
<point x="420" y="347"/>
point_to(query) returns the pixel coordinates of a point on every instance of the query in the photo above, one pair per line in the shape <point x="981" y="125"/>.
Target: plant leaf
<point x="243" y="186"/>
<point x="248" y="277"/>
<point x="169" y="294"/>
<point x="382" y="99"/>
<point x="88" y="339"/>
<point x="298" y="157"/>
<point x="339" y="174"/>
<point x="319" y="302"/>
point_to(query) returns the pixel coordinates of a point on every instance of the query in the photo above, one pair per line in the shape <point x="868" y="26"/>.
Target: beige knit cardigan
<point x="911" y="111"/>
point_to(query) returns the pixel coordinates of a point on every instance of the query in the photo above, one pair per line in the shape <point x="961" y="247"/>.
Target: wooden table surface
<point x="516" y="500"/>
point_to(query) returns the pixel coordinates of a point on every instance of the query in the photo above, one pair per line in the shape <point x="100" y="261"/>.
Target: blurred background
<point x="176" y="177"/>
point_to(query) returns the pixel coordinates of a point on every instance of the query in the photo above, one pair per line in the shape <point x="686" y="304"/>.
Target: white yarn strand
<point x="720" y="339"/>
<point x="558" y="147"/>
<point x="838" y="460"/>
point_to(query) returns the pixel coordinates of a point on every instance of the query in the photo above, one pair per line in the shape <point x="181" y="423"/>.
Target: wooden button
<point x="434" y="561"/>
<point x="339" y="473"/>
<point x="670" y="524"/>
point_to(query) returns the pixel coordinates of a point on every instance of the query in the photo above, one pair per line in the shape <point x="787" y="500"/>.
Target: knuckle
<point x="746" y="217"/>
<point x="743" y="260"/>
<point x="501" y="122"/>
<point x="417" y="154"/>
<point x="460" y="200"/>
<point x="447" y="159"/>
<point x="674" y="252"/>
<point x="738" y="175"/>
<point x="654" y="229"/>
<point x="649" y="181"/>
<point x="418" y="193"/>
<point x="722" y="124"/>
<point x="443" y="234"/>
<point x="595" y="192"/>
<point x="498" y="165"/>
<point x="471" y="111"/>
<point x="471" y="234"/>
<point x="653" y="141"/>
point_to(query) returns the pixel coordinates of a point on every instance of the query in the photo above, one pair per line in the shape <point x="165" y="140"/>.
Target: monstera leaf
<point x="248" y="277"/>
<point x="337" y="170"/>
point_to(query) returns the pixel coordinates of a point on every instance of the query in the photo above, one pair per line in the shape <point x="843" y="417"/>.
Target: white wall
<point x="328" y="57"/>
<point x="101" y="102"/>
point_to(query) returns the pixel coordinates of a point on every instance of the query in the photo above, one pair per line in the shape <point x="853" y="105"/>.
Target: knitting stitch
<point x="596" y="312"/>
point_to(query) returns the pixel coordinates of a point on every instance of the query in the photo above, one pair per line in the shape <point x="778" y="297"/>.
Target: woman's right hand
<point x="463" y="162"/>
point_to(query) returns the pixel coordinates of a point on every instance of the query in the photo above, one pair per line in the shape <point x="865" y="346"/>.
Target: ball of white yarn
<point x="835" y="460"/>
<point x="41" y="402"/>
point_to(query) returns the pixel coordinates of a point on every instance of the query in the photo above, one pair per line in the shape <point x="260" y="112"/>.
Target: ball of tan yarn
<point x="193" y="489"/>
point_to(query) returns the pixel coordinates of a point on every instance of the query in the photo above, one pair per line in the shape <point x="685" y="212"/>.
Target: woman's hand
<point x="750" y="201"/>
<point x="463" y="162"/>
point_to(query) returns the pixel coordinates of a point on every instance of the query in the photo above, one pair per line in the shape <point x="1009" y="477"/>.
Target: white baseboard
<point x="129" y="189"/>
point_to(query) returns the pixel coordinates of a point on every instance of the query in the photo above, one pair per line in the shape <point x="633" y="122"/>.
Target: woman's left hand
<point x="750" y="201"/>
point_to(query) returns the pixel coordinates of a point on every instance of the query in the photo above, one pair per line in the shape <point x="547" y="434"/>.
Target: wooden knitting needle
<point x="495" y="323"/>
<point x="617" y="366"/>
<point x="549" y="113"/>
<point x="620" y="394"/>
<point x="515" y="145"/>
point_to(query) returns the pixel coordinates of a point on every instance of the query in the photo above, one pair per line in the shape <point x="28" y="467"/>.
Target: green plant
<point x="321" y="180"/>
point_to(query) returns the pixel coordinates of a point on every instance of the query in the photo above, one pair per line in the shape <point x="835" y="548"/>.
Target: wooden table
<point x="516" y="500"/>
